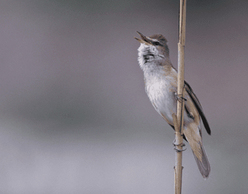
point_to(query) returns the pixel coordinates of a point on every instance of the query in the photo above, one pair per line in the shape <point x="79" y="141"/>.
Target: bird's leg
<point x="181" y="99"/>
<point x="177" y="146"/>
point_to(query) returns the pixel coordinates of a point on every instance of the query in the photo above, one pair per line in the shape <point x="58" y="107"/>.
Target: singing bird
<point x="161" y="87"/>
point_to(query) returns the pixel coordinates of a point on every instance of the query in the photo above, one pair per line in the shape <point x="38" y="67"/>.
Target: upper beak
<point x="143" y="39"/>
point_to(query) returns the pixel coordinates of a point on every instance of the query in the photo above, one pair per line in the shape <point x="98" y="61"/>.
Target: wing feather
<point x="198" y="106"/>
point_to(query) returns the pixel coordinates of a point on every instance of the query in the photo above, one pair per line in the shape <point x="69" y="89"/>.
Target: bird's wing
<point x="198" y="106"/>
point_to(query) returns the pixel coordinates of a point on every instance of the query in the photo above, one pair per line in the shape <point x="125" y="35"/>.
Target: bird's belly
<point x="162" y="97"/>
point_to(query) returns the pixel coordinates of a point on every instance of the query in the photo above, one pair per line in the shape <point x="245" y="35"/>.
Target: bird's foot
<point x="180" y="97"/>
<point x="181" y="145"/>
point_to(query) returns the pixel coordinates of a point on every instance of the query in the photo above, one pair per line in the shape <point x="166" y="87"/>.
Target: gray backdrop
<point x="74" y="116"/>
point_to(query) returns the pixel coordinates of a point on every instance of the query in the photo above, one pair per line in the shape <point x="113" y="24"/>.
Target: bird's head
<point x="153" y="49"/>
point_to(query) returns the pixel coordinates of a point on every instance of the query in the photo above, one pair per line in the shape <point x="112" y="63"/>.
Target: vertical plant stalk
<point x="178" y="120"/>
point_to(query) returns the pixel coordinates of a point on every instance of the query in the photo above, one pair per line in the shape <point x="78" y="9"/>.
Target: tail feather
<point x="203" y="164"/>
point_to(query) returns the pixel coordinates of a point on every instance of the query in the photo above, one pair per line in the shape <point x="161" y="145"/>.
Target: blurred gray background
<point x="74" y="116"/>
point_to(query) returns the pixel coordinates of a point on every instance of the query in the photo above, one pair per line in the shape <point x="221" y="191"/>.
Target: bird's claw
<point x="179" y="150"/>
<point x="181" y="144"/>
<point x="180" y="97"/>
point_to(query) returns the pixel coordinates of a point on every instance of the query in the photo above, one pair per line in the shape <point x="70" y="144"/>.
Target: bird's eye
<point x="156" y="43"/>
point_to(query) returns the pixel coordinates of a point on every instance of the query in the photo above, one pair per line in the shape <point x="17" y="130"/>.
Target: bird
<point x="160" y="79"/>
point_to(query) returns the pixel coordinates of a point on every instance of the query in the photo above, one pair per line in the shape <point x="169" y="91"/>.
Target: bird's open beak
<point x="143" y="39"/>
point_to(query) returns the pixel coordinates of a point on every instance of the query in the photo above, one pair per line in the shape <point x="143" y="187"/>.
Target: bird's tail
<point x="203" y="164"/>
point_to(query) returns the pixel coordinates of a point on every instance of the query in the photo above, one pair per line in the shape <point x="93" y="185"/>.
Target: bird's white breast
<point x="162" y="95"/>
